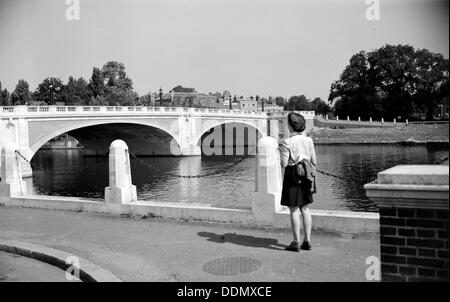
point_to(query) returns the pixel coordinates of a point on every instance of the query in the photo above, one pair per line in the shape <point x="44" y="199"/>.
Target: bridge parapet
<point x="10" y="111"/>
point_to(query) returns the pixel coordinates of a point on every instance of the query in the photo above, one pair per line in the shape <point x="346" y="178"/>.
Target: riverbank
<point x="411" y="134"/>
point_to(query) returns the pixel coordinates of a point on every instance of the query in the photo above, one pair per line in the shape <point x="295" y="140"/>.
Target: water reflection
<point x="355" y="164"/>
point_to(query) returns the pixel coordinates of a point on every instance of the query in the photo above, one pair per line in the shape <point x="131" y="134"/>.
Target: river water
<point x="356" y="165"/>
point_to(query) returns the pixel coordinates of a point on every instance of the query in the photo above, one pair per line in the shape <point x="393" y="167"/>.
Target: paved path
<point x="15" y="268"/>
<point x="169" y="250"/>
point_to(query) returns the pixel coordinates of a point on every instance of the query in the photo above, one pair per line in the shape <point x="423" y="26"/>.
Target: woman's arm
<point x="284" y="154"/>
<point x="313" y="152"/>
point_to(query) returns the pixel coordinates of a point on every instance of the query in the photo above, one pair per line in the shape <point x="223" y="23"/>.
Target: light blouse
<point x="300" y="147"/>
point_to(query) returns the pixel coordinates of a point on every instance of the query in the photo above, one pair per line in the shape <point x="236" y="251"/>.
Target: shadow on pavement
<point x="243" y="240"/>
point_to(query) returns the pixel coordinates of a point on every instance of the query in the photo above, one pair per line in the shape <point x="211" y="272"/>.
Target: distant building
<point x="225" y="104"/>
<point x="163" y="100"/>
<point x="205" y="100"/>
<point x="181" y="96"/>
<point x="249" y="104"/>
<point x="226" y="95"/>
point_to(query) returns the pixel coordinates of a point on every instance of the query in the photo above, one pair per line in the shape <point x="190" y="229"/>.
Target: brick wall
<point x="414" y="244"/>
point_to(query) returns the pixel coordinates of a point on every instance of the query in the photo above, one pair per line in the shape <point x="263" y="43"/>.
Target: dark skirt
<point x="293" y="193"/>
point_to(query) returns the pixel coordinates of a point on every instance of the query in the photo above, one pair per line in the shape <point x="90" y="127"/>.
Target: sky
<point x="249" y="47"/>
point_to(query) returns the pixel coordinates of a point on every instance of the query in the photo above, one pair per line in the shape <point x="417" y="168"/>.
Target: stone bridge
<point x="176" y="131"/>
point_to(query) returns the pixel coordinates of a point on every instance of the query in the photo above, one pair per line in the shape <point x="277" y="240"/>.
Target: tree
<point x="280" y="101"/>
<point x="120" y="97"/>
<point x="432" y="81"/>
<point x="391" y="81"/>
<point x="50" y="91"/>
<point x="77" y="92"/>
<point x="115" y="75"/>
<point x="319" y="106"/>
<point x="119" y="87"/>
<point x="97" y="83"/>
<point x="297" y="103"/>
<point x="146" y="100"/>
<point x="21" y="94"/>
<point x="4" y="96"/>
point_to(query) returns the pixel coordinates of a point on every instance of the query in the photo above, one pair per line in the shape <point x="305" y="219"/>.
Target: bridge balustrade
<point x="7" y="110"/>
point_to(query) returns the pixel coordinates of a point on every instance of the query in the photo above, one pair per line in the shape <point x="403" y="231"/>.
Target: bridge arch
<point x="208" y="125"/>
<point x="38" y="142"/>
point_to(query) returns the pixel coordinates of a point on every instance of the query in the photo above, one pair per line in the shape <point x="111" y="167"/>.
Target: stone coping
<point x="334" y="221"/>
<point x="411" y="186"/>
<point x="89" y="272"/>
<point x="408" y="196"/>
<point x="432" y="175"/>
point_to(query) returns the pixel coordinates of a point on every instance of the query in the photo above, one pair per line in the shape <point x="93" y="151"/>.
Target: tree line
<point x="302" y="103"/>
<point x="108" y="86"/>
<point x="392" y="82"/>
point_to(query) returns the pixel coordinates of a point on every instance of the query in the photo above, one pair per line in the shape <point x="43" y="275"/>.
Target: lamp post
<point x="160" y="96"/>
<point x="51" y="93"/>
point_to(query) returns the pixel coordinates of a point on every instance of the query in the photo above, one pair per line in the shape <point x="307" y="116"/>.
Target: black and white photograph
<point x="224" y="148"/>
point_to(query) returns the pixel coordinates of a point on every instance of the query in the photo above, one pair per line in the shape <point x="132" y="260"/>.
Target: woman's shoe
<point x="293" y="247"/>
<point x="306" y="246"/>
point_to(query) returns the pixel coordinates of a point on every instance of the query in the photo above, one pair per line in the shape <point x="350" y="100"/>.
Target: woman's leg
<point x="307" y="222"/>
<point x="295" y="223"/>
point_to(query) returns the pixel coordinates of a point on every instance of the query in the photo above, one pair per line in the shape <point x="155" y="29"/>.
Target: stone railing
<point x="278" y="114"/>
<point x="101" y="110"/>
<point x="8" y="111"/>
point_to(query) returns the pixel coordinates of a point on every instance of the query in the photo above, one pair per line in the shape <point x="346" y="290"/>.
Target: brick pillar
<point x="413" y="203"/>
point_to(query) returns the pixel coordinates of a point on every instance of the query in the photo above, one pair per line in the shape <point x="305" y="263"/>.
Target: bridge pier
<point x="120" y="189"/>
<point x="11" y="183"/>
<point x="15" y="131"/>
<point x="191" y="150"/>
<point x="274" y="130"/>
<point x="268" y="184"/>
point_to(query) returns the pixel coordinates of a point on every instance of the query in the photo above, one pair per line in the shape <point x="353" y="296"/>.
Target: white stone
<point x="415" y="175"/>
<point x="11" y="183"/>
<point x="266" y="199"/>
<point x="120" y="189"/>
<point x="411" y="186"/>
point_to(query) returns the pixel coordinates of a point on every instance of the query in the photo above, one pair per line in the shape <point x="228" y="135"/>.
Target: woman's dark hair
<point x="297" y="121"/>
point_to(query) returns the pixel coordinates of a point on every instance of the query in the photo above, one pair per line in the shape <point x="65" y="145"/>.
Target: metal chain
<point x="329" y="174"/>
<point x="440" y="161"/>
<point x="219" y="171"/>
<point x="61" y="172"/>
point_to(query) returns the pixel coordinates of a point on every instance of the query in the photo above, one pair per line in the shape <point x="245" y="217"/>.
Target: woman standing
<point x="297" y="191"/>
